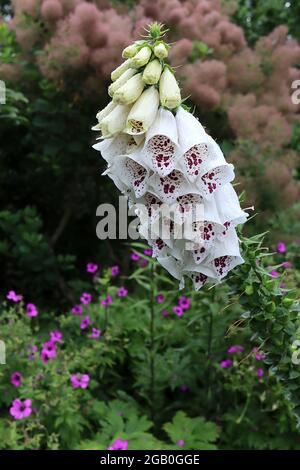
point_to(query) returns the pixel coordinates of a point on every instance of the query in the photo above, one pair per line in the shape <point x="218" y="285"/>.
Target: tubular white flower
<point x="102" y="114"/>
<point x="115" y="121"/>
<point x="161" y="51"/>
<point x="121" y="81"/>
<point x="115" y="74"/>
<point x="130" y="91"/>
<point x="169" y="91"/>
<point x="142" y="57"/>
<point x="152" y="72"/>
<point x="143" y="112"/>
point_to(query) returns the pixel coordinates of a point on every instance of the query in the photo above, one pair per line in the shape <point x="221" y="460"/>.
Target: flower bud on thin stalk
<point x="120" y="70"/>
<point x="121" y="81"/>
<point x="152" y="72"/>
<point x="130" y="91"/>
<point x="142" y="57"/>
<point x="131" y="50"/>
<point x="143" y="112"/>
<point x="160" y="50"/>
<point x="169" y="91"/>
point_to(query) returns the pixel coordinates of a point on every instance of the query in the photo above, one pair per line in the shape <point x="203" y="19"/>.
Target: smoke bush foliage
<point x="60" y="53"/>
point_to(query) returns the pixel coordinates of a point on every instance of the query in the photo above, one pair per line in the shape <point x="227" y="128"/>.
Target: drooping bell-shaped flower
<point x="115" y="121"/>
<point x="102" y="114"/>
<point x="143" y="112"/>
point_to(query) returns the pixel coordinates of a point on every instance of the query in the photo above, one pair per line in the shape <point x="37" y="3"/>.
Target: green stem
<point x="106" y="311"/>
<point x="152" y="344"/>
<point x="242" y="415"/>
<point x="209" y="348"/>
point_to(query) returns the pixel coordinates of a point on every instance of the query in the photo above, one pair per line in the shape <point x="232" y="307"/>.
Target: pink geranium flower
<point x="95" y="333"/>
<point x="281" y="248"/>
<point x="134" y="257"/>
<point x="160" y="298"/>
<point x="85" y="322"/>
<point x="79" y="380"/>
<point x="21" y="409"/>
<point x="107" y="301"/>
<point x="226" y="363"/>
<point x="31" y="310"/>
<point x="148" y="252"/>
<point x="49" y="349"/>
<point x="236" y="348"/>
<point x="259" y="373"/>
<point x="180" y="442"/>
<point x="119" y="444"/>
<point x="184" y="302"/>
<point x="92" y="268"/>
<point x="115" y="270"/>
<point x="16" y="379"/>
<point x="55" y="336"/>
<point x="13" y="296"/>
<point x="77" y="310"/>
<point x="178" y="311"/>
<point x="286" y="265"/>
<point x="122" y="292"/>
<point x="86" y="298"/>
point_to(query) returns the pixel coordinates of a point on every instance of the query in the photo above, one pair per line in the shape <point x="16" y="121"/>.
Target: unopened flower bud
<point x="152" y="72"/>
<point x="142" y="57"/>
<point x="130" y="51"/>
<point x="121" y="81"/>
<point x="120" y="70"/>
<point x="169" y="91"/>
<point x="130" y="91"/>
<point x="161" y="51"/>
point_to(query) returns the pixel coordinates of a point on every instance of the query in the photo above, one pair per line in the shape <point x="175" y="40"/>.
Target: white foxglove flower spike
<point x="157" y="158"/>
